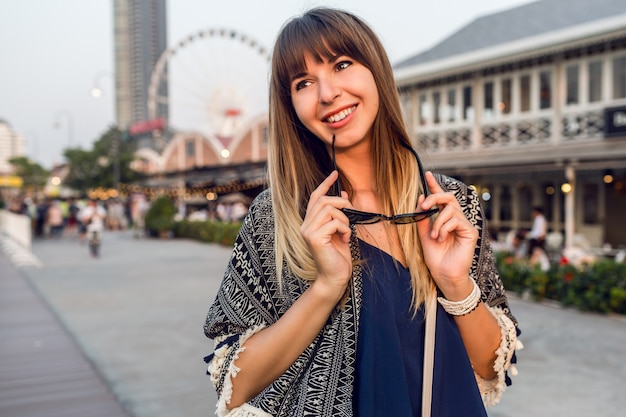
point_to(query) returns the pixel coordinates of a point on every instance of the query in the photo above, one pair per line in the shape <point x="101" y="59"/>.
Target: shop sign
<point x="615" y="121"/>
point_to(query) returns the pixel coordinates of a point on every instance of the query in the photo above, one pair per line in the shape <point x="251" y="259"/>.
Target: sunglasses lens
<point x="361" y="217"/>
<point x="413" y="217"/>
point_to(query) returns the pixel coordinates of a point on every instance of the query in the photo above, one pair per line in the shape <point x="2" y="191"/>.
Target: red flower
<point x="568" y="276"/>
<point x="563" y="261"/>
<point x="508" y="260"/>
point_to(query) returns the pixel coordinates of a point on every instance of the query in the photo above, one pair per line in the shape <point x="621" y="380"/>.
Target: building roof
<point x="530" y="20"/>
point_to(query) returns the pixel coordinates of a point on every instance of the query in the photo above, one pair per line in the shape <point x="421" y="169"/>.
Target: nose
<point x="328" y="91"/>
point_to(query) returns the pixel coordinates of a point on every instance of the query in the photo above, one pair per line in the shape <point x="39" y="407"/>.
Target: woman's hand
<point x="326" y="231"/>
<point x="448" y="242"/>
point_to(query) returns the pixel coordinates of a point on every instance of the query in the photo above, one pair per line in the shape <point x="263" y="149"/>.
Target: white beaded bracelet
<point x="463" y="307"/>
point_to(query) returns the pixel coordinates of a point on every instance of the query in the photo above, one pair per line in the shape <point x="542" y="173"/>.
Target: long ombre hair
<point x="298" y="161"/>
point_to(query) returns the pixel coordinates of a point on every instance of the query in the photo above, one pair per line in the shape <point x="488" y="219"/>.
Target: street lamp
<point x="96" y="90"/>
<point x="70" y="124"/>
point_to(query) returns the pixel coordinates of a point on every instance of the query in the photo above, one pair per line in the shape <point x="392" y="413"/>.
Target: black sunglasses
<point x="364" y="217"/>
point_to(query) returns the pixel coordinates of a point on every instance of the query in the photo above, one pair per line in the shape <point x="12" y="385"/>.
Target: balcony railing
<point x="513" y="132"/>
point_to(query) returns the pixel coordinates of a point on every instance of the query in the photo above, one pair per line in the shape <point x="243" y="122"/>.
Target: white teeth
<point x="340" y="116"/>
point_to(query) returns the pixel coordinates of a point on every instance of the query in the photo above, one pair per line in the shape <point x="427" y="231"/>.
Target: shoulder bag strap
<point x="429" y="354"/>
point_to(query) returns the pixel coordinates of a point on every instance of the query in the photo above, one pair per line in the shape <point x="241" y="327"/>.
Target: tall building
<point x="140" y="36"/>
<point x="529" y="106"/>
<point x="11" y="146"/>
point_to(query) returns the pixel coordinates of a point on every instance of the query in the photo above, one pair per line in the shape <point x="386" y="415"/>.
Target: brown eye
<point x="342" y="65"/>
<point x="302" y="84"/>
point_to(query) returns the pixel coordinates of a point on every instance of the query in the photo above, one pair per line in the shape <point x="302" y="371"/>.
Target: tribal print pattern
<point x="320" y="382"/>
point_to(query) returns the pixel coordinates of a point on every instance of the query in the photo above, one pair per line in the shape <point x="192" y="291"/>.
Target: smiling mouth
<point x="341" y="115"/>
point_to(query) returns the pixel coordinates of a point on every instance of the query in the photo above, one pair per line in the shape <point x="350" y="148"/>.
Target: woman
<point x="321" y="310"/>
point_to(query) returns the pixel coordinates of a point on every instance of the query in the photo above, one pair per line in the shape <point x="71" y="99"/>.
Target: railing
<point x="513" y="131"/>
<point x="17" y="227"/>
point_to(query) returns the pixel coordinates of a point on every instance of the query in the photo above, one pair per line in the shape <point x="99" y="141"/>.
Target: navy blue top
<point x="390" y="350"/>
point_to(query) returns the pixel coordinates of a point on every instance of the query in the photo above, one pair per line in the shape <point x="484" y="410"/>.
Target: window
<point x="505" y="104"/>
<point x="595" y="81"/>
<point x="437" y="106"/>
<point x="506" y="204"/>
<point x="619" y="77"/>
<point x="424" y="109"/>
<point x="451" y="105"/>
<point x="571" y="75"/>
<point x="591" y="200"/>
<point x="524" y="205"/>
<point x="190" y="147"/>
<point x="524" y="86"/>
<point x="468" y="111"/>
<point x="545" y="89"/>
<point x="488" y="110"/>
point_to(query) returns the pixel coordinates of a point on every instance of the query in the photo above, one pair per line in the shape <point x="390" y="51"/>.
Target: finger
<point x="424" y="226"/>
<point x="432" y="183"/>
<point x="324" y="214"/>
<point x="325" y="185"/>
<point x="335" y="227"/>
<point x="452" y="220"/>
<point x="438" y="197"/>
<point x="322" y="189"/>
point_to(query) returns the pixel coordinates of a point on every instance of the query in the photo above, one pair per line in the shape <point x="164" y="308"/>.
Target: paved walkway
<point x="137" y="313"/>
<point x="42" y="370"/>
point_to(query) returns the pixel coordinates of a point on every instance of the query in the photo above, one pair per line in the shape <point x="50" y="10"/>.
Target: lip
<point x="337" y="111"/>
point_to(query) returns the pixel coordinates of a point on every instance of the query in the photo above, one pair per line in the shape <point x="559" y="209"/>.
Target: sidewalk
<point x="42" y="370"/>
<point x="137" y="313"/>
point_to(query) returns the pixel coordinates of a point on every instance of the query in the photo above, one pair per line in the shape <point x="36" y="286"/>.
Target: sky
<point x="53" y="52"/>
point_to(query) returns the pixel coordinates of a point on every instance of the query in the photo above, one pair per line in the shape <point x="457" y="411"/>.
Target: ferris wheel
<point x="212" y="82"/>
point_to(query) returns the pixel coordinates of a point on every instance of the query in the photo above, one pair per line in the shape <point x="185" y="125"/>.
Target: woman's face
<point x="336" y="97"/>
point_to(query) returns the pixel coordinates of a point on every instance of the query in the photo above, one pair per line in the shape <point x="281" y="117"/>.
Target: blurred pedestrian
<point x="93" y="217"/>
<point x="537" y="234"/>
<point x="138" y="207"/>
<point x="55" y="219"/>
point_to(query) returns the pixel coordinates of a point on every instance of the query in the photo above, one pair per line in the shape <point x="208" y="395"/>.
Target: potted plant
<point x="160" y="217"/>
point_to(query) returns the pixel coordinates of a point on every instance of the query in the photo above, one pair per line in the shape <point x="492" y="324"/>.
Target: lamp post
<point x="70" y="125"/>
<point x="116" y="161"/>
<point x="96" y="91"/>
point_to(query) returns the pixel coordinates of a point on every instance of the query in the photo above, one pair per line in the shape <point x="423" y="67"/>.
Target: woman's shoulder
<point x="260" y="213"/>
<point x="449" y="183"/>
<point x="465" y="195"/>
<point x="461" y="190"/>
<point x="262" y="202"/>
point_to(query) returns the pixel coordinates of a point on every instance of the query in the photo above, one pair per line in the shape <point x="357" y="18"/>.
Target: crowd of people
<point x="65" y="217"/>
<point x="70" y="217"/>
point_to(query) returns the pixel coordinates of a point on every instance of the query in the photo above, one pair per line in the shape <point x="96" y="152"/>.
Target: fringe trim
<point x="246" y="410"/>
<point x="216" y="369"/>
<point x="491" y="390"/>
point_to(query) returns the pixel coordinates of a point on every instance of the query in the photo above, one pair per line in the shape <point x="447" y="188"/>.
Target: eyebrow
<point x="298" y="75"/>
<point x="331" y="60"/>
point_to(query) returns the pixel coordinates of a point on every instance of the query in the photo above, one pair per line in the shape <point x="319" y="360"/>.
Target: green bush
<point x="160" y="215"/>
<point x="598" y="287"/>
<point x="514" y="274"/>
<point x="208" y="231"/>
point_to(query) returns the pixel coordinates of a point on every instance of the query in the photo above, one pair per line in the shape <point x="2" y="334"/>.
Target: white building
<point x="11" y="146"/>
<point x="529" y="106"/>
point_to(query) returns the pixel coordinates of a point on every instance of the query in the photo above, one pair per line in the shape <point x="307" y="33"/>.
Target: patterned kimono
<point x="320" y="382"/>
